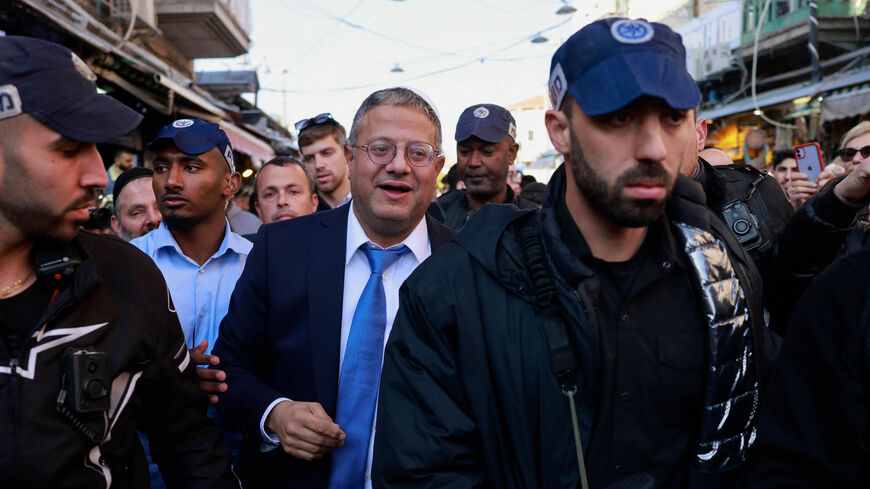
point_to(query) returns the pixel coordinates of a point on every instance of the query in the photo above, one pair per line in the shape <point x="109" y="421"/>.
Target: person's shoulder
<point x="438" y="270"/>
<point x="743" y="180"/>
<point x="248" y="218"/>
<point x="848" y="272"/>
<point x="116" y="258"/>
<point x="309" y="222"/>
<point x="490" y="228"/>
<point x="490" y="221"/>
<point x="687" y="189"/>
<point x="450" y="198"/>
<point x="302" y="229"/>
<point x="524" y="203"/>
<point x="107" y="246"/>
<point x="147" y="243"/>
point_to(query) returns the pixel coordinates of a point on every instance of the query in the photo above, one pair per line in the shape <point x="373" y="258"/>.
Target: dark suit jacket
<point x="281" y="336"/>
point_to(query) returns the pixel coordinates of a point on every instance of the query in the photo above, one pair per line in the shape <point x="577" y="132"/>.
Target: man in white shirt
<point x="302" y="350"/>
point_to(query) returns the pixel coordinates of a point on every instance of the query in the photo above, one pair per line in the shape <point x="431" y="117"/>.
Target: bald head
<point x="716" y="157"/>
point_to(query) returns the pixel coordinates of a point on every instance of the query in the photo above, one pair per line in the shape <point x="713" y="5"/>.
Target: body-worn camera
<point x="87" y="380"/>
<point x="743" y="224"/>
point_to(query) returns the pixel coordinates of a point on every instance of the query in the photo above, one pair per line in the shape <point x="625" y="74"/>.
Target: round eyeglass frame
<point x="432" y="153"/>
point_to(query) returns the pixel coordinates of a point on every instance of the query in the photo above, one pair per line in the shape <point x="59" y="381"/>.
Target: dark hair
<point x="400" y="96"/>
<point x="121" y="152"/>
<point x="781" y="155"/>
<point x="527" y="179"/>
<point x="283" y="161"/>
<point x="452" y="178"/>
<point x="98" y="219"/>
<point x="125" y="178"/>
<point x="314" y="133"/>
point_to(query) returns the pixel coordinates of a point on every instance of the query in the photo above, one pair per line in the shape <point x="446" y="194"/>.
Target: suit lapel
<point x="325" y="295"/>
<point x="439" y="234"/>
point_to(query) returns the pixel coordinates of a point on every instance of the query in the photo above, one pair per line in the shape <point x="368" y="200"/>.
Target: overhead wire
<point x="454" y="53"/>
<point x="472" y="61"/>
<point x="758" y="110"/>
<point x="327" y="34"/>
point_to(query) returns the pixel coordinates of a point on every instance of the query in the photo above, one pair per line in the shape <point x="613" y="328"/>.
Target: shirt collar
<point x="232" y="242"/>
<point x="417" y="241"/>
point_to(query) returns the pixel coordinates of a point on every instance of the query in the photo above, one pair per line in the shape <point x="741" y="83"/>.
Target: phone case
<point x="809" y="160"/>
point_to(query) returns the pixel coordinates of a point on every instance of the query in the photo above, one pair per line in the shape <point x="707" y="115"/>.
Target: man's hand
<point x="855" y="187"/>
<point x="800" y="189"/>
<point x="211" y="381"/>
<point x="304" y="428"/>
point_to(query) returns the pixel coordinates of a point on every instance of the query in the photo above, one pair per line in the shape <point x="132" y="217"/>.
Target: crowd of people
<point x="654" y="317"/>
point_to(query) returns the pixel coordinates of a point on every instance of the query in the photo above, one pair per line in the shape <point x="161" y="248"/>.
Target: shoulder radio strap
<point x="563" y="358"/>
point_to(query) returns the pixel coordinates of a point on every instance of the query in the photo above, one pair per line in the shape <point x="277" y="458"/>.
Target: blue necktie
<point x="361" y="373"/>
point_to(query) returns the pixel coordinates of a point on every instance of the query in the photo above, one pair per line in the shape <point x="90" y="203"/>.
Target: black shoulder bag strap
<point x="563" y="358"/>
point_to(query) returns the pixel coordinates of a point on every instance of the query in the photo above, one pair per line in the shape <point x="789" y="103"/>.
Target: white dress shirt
<point x="356" y="274"/>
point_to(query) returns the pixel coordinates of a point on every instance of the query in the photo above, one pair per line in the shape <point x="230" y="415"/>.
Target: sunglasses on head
<point x="324" y="118"/>
<point x="847" y="154"/>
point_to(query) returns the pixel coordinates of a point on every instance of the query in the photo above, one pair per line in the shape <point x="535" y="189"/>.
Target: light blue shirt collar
<point x="162" y="238"/>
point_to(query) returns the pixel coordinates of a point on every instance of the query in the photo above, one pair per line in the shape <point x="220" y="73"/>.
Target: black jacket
<point x="814" y="424"/>
<point x="468" y="398"/>
<point x="793" y="247"/>
<point x="116" y="301"/>
<point x="456" y="210"/>
<point x="281" y="337"/>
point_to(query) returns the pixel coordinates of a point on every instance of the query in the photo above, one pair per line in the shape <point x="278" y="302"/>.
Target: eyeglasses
<point x="847" y="154"/>
<point x="323" y="118"/>
<point x="383" y="152"/>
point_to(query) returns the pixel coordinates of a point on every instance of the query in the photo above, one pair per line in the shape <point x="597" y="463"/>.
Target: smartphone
<point x="809" y="160"/>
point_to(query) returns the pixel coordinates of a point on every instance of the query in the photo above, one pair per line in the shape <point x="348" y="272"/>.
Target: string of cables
<point x="468" y="59"/>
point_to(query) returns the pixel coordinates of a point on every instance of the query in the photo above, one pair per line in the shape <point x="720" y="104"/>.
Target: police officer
<point x="486" y="148"/>
<point x="616" y="336"/>
<point x="91" y="348"/>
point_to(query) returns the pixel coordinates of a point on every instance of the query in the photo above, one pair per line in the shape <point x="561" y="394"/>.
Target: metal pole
<point x="812" y="44"/>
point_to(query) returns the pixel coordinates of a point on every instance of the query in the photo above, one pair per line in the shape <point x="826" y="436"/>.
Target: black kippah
<point x="127" y="177"/>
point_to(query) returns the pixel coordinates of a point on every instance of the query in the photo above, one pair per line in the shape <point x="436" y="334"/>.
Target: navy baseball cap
<point x="195" y="137"/>
<point x="611" y="62"/>
<point x="489" y="122"/>
<point x="54" y="86"/>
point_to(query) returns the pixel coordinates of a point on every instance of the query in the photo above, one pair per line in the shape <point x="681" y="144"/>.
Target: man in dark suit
<point x="303" y="339"/>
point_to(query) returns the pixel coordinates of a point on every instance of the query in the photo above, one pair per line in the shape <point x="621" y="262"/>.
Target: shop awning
<point x="791" y="92"/>
<point x="244" y="142"/>
<point x="846" y="102"/>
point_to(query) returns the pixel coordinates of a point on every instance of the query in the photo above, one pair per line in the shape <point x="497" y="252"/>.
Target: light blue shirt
<point x="201" y="294"/>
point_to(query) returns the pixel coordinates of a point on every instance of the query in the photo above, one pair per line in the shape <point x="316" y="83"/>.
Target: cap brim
<point x="619" y="80"/>
<point x="94" y="119"/>
<point x="482" y="130"/>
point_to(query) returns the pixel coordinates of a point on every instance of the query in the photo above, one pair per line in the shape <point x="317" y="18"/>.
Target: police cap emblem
<point x="182" y="123"/>
<point x="632" y="31"/>
<point x="481" y="112"/>
<point x="558" y="86"/>
<point x="10" y="101"/>
<point x="228" y="155"/>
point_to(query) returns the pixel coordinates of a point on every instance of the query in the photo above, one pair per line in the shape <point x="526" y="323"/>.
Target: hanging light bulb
<point x="539" y="39"/>
<point x="397" y="69"/>
<point x="566" y="9"/>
